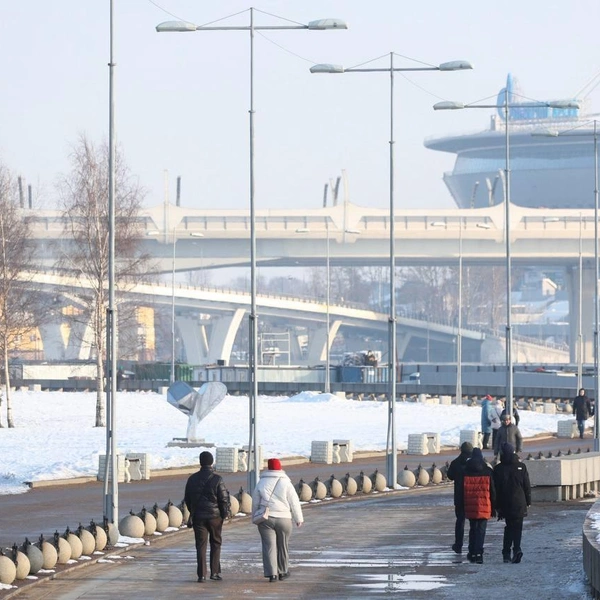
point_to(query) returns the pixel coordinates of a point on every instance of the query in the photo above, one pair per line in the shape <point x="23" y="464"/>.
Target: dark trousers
<point x="485" y="442"/>
<point x="477" y="528"/>
<point x="494" y="436"/>
<point x="459" y="527"/>
<point x="205" y="529"/>
<point x="513" y="530"/>
<point x="581" y="427"/>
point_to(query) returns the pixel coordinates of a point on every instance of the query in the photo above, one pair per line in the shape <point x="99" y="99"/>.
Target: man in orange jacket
<point x="479" y="497"/>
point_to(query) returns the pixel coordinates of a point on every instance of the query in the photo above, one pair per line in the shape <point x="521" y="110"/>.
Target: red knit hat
<point x="274" y="464"/>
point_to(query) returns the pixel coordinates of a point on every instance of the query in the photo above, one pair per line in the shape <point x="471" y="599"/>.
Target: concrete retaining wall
<point x="591" y="548"/>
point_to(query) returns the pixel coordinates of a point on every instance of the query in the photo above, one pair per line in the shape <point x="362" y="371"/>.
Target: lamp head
<point x="455" y="65"/>
<point x="326" y="68"/>
<point x="172" y="26"/>
<point x="322" y="24"/>
<point x="448" y="105"/>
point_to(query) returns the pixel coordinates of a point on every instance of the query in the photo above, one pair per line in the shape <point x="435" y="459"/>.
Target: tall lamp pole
<point x="506" y="106"/>
<point x="594" y="135"/>
<point x="185" y="26"/>
<point x="111" y="496"/>
<point x="391" y="445"/>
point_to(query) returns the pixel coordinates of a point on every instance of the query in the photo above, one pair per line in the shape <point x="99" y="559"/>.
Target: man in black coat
<point x="508" y="433"/>
<point x="582" y="409"/>
<point x="455" y="473"/>
<point x="207" y="499"/>
<point x="513" y="498"/>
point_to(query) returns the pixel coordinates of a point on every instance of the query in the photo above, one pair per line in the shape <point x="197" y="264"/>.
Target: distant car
<point x="412" y="378"/>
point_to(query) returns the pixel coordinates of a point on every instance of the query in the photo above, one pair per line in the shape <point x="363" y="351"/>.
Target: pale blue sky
<point x="182" y="99"/>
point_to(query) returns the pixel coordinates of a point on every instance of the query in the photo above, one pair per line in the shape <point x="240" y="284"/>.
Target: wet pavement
<point x="372" y="546"/>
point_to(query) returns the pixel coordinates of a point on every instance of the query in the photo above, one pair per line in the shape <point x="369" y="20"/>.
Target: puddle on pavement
<point x="402" y="583"/>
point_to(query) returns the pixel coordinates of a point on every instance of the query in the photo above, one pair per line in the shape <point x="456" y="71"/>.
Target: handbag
<point x="261" y="514"/>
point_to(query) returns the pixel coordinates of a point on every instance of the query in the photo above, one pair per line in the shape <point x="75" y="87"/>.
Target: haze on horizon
<point x="182" y="100"/>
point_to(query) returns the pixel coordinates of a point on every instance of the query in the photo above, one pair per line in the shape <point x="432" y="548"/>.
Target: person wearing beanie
<point x="207" y="500"/>
<point x="508" y="432"/>
<point x="275" y="490"/>
<point x="479" y="502"/>
<point x="513" y="491"/>
<point x="455" y="473"/>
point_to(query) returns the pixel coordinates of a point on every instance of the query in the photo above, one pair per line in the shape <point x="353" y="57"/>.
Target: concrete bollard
<point x="406" y="478"/>
<point x="174" y="514"/>
<point x="304" y="491"/>
<point x="365" y="485"/>
<point x="421" y="475"/>
<point x="350" y="485"/>
<point x="8" y="570"/>
<point x="435" y="475"/>
<point x="319" y="489"/>
<point x="112" y="532"/>
<point x="245" y="501"/>
<point x="75" y="543"/>
<point x="100" y="537"/>
<point x="162" y="519"/>
<point x="334" y="487"/>
<point x="49" y="553"/>
<point x="63" y="549"/>
<point x="22" y="564"/>
<point x="185" y="511"/>
<point x="235" y="505"/>
<point x="132" y="526"/>
<point x="379" y="481"/>
<point x="149" y="521"/>
<point x="35" y="556"/>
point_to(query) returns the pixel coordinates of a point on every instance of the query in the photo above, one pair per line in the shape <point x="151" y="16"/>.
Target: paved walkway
<point x="392" y="544"/>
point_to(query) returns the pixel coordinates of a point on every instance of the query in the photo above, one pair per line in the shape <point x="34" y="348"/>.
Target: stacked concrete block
<point x="321" y="452"/>
<point x="344" y="450"/>
<point x="471" y="436"/>
<point x="138" y="464"/>
<point x="227" y="459"/>
<point x="567" y="428"/>
<point x="446" y="400"/>
<point x="549" y="408"/>
<point x="120" y="468"/>
<point x="433" y="442"/>
<point x="417" y="444"/>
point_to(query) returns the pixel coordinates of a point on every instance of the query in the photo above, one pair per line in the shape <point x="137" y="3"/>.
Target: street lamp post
<point x="562" y="104"/>
<point x="391" y="446"/>
<point x="594" y="135"/>
<point x="185" y="26"/>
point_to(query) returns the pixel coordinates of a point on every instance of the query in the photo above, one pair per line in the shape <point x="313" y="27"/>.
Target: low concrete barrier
<point x="591" y="548"/>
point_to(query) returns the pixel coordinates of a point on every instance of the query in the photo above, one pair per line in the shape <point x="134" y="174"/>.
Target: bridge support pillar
<point x="223" y="334"/>
<point x="317" y="344"/>
<point x="193" y="336"/>
<point x="52" y="341"/>
<point x="587" y="309"/>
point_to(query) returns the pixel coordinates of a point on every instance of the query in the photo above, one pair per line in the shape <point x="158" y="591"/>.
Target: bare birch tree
<point x="84" y="195"/>
<point x="17" y="313"/>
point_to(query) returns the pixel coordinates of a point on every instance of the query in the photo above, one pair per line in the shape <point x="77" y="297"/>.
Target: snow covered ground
<point x="54" y="435"/>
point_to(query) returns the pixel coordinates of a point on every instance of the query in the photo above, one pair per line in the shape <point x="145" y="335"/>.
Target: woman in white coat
<point x="275" y="490"/>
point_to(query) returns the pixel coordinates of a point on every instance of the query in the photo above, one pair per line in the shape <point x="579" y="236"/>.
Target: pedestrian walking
<point x="513" y="495"/>
<point x="479" y="502"/>
<point x="456" y="472"/>
<point x="497" y="410"/>
<point x="275" y="492"/>
<point x="508" y="433"/>
<point x="207" y="499"/>
<point x="487" y="415"/>
<point x="583" y="410"/>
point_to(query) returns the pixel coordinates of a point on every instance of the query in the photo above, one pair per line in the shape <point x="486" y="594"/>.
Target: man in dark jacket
<point x="207" y="499"/>
<point x="513" y="492"/>
<point x="508" y="433"/>
<point x="582" y="409"/>
<point x="479" y="502"/>
<point x="456" y="471"/>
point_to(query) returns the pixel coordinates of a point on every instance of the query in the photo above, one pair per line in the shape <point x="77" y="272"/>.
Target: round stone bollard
<point x="100" y="537"/>
<point x="319" y="489"/>
<point x="379" y="481"/>
<point x="174" y="514"/>
<point x="35" y="556"/>
<point x="184" y="511"/>
<point x="406" y="478"/>
<point x="422" y="476"/>
<point x="63" y="549"/>
<point x="112" y="532"/>
<point x="162" y="519"/>
<point x="245" y="501"/>
<point x="334" y="487"/>
<point x="350" y="485"/>
<point x="8" y="570"/>
<point x="22" y="564"/>
<point x="365" y="485"/>
<point x="304" y="491"/>
<point x="88" y="542"/>
<point x="75" y="543"/>
<point x="435" y="475"/>
<point x="49" y="553"/>
<point x="132" y="526"/>
<point x="235" y="505"/>
<point x="149" y="521"/>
